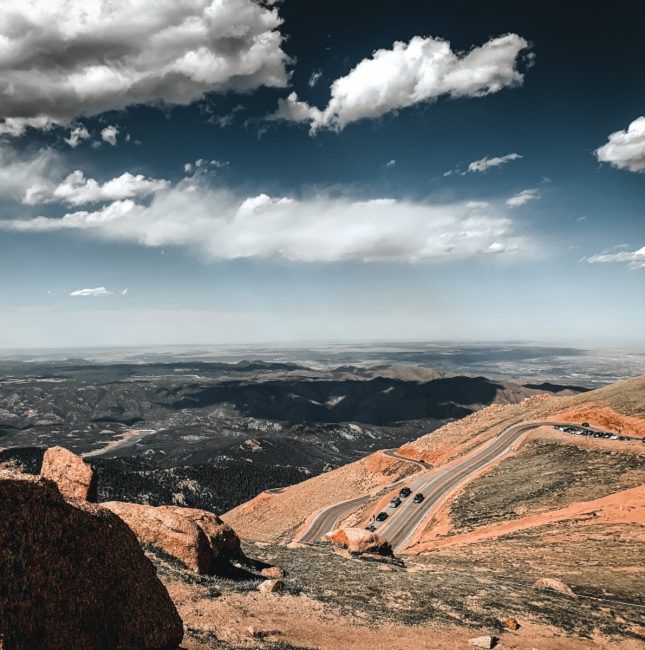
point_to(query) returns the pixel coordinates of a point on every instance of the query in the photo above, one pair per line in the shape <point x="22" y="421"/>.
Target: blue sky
<point x="333" y="197"/>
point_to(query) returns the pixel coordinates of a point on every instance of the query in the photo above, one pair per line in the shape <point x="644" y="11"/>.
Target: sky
<point x="230" y="171"/>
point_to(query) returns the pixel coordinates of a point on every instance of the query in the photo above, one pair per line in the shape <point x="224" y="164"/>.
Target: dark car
<point x="395" y="503"/>
<point x="405" y="492"/>
<point x="370" y="527"/>
<point x="382" y="516"/>
<point x="585" y="424"/>
<point x="418" y="497"/>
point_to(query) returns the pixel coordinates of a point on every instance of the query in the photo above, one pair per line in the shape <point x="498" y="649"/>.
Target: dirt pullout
<point x="621" y="404"/>
<point x="604" y="417"/>
<point x="277" y="515"/>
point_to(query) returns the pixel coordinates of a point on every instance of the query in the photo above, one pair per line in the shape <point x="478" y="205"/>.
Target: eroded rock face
<point x="73" y="476"/>
<point x="358" y="540"/>
<point x="74" y="576"/>
<point x="199" y="539"/>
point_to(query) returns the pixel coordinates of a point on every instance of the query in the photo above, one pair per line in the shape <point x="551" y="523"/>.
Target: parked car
<point x="382" y="516"/>
<point x="370" y="527"/>
<point x="405" y="492"/>
<point x="418" y="497"/>
<point x="585" y="424"/>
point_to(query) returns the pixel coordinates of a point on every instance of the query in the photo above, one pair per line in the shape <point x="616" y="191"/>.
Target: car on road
<point x="395" y="503"/>
<point x="405" y="492"/>
<point x="382" y="516"/>
<point x="585" y="424"/>
<point x="418" y="497"/>
<point x="370" y="527"/>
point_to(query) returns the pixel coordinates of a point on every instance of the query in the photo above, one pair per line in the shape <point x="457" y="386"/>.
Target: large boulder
<point x="358" y="540"/>
<point x="552" y="584"/>
<point x="73" y="476"/>
<point x="198" y="538"/>
<point x="74" y="576"/>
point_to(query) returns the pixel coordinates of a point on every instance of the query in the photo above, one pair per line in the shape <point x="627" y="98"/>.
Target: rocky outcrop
<point x="74" y="576"/>
<point x="271" y="586"/>
<point x="511" y="623"/>
<point x="73" y="476"/>
<point x="197" y="538"/>
<point x="551" y="584"/>
<point x="358" y="540"/>
<point x="274" y="572"/>
<point x="483" y="642"/>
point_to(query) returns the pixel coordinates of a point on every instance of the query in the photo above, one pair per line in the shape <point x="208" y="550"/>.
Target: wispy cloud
<point x="314" y="78"/>
<point x="485" y="163"/>
<point x="97" y="292"/>
<point x="222" y="226"/>
<point x="523" y="197"/>
<point x="633" y="259"/>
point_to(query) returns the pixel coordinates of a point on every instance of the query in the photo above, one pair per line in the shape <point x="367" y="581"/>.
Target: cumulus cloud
<point x="222" y="226"/>
<point x="626" y="149"/>
<point x="77" y="135"/>
<point x="523" y="197"/>
<point x="60" y="59"/>
<point x="97" y="292"/>
<point x="76" y="189"/>
<point x="633" y="259"/>
<point x="109" y="134"/>
<point x="485" y="163"/>
<point x="418" y="71"/>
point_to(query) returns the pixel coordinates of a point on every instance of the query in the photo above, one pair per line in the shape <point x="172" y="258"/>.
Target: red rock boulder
<point x="74" y="576"/>
<point x="358" y="540"/>
<point x="73" y="476"/>
<point x="198" y="538"/>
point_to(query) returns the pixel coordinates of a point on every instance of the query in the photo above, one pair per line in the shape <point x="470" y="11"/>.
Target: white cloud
<point x="390" y="163"/>
<point x="485" y="163"/>
<point x="633" y="259"/>
<point x="221" y="226"/>
<point x="60" y="59"/>
<point x="418" y="71"/>
<point x="77" y="135"/>
<point x="626" y="149"/>
<point x="523" y="197"/>
<point x="109" y="134"/>
<point x="76" y="189"/>
<point x="97" y="292"/>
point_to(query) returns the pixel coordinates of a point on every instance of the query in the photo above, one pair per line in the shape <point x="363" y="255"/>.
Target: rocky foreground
<point x="542" y="552"/>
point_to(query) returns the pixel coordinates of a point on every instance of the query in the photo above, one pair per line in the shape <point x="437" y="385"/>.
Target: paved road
<point x="433" y="484"/>
<point x="326" y="520"/>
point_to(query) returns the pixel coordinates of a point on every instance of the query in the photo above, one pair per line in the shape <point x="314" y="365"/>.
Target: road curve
<point x="434" y="484"/>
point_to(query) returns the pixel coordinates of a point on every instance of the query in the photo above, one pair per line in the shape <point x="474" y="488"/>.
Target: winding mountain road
<point x="434" y="484"/>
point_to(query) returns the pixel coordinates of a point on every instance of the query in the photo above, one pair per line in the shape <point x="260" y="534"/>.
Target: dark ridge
<point x="556" y="388"/>
<point x="377" y="401"/>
